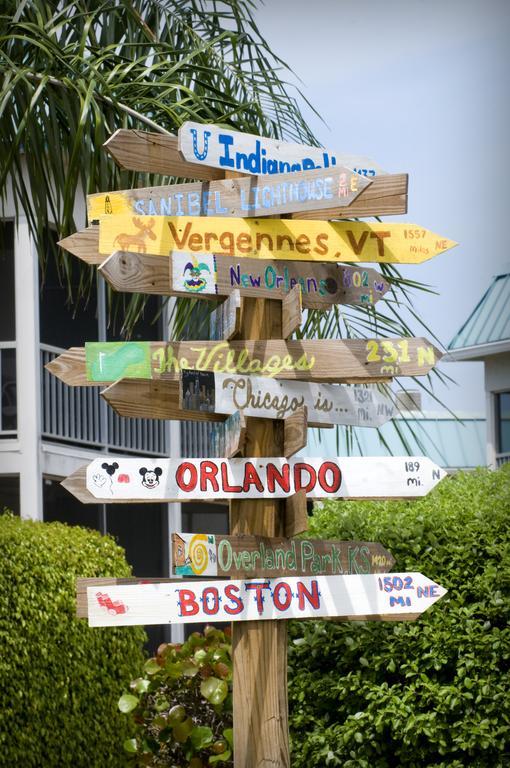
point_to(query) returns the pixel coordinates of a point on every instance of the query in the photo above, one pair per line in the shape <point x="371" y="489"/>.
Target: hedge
<point x="59" y="680"/>
<point x="435" y="692"/>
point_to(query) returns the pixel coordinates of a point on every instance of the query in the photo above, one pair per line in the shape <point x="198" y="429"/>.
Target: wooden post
<point x="261" y="737"/>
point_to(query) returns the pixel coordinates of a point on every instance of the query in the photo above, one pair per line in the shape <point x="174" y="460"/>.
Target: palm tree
<point x="74" y="71"/>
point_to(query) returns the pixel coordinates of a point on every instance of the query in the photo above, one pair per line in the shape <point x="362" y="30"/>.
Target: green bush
<point x="435" y="692"/>
<point x="182" y="708"/>
<point x="59" y="679"/>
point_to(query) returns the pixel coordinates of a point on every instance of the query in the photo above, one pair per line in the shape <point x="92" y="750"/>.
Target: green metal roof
<point x="489" y="322"/>
<point x="449" y="443"/>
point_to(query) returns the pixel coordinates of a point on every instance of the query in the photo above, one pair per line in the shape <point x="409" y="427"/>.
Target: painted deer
<point x="137" y="241"/>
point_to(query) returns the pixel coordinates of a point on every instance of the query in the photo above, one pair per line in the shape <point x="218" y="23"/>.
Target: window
<point x="503" y="422"/>
<point x="9" y="493"/>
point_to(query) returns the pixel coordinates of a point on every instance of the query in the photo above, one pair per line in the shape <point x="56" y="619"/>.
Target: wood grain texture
<point x="292" y="311"/>
<point x="259" y="649"/>
<point x="338" y="361"/>
<point x="146" y="399"/>
<point x="155" y="153"/>
<point x="252" y="557"/>
<point x="296" y="514"/>
<point x="84" y="245"/>
<point x="386" y="196"/>
<point x="295" y="429"/>
<point x="255" y="196"/>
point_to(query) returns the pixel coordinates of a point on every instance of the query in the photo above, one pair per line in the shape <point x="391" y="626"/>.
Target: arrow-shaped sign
<point x="295" y="240"/>
<point x="115" y="479"/>
<point x="370" y="596"/>
<point x="206" y="554"/>
<point x="339" y="360"/>
<point x="228" y="150"/>
<point x="270" y="399"/>
<point x="333" y="189"/>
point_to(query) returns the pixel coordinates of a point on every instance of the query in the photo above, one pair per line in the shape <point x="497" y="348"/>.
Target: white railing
<point x="502" y="458"/>
<point x="79" y="415"/>
<point x="8" y="408"/>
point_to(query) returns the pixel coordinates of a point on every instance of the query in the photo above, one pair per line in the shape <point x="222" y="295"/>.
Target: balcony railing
<point x="502" y="458"/>
<point x="8" y="410"/>
<point x="196" y="439"/>
<point x="79" y="415"/>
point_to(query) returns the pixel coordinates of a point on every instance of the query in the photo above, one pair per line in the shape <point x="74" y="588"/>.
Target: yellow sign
<point x="295" y="240"/>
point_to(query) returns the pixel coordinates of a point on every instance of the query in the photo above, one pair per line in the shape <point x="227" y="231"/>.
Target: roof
<point x="450" y="443"/>
<point x="487" y="329"/>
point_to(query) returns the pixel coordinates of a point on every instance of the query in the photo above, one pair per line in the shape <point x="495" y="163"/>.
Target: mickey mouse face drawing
<point x="150" y="477"/>
<point x="110" y="469"/>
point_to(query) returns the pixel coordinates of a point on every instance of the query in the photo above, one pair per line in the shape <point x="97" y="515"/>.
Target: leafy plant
<point x="181" y="708"/>
<point x="59" y="679"/>
<point x="435" y="692"/>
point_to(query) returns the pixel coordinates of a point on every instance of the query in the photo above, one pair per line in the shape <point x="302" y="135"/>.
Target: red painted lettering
<point x="299" y="468"/>
<point x="210" y="610"/>
<point x="275" y="476"/>
<point x="336" y="477"/>
<point x="258" y="587"/>
<point x="186" y="466"/>
<point x="238" y="603"/>
<point x="208" y="472"/>
<point x="282" y="604"/>
<point x="312" y="597"/>
<point x="251" y="478"/>
<point x="187" y="602"/>
<point x="224" y="480"/>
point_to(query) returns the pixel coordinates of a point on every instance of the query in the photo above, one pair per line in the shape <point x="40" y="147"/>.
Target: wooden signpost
<point x="247" y="153"/>
<point x="123" y="479"/>
<point x="320" y="189"/>
<point x="206" y="554"/>
<point x="340" y="360"/>
<point x="350" y="598"/>
<point x="296" y="240"/>
<point x="193" y="240"/>
<point x="269" y="398"/>
<point x="322" y="284"/>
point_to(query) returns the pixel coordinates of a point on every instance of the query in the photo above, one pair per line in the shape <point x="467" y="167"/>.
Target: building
<point x="485" y="336"/>
<point x="48" y="429"/>
<point x="452" y="441"/>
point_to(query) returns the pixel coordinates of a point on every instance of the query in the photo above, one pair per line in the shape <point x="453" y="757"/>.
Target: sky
<point x="421" y="87"/>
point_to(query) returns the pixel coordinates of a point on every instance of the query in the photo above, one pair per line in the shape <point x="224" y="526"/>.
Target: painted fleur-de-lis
<point x="200" y="155"/>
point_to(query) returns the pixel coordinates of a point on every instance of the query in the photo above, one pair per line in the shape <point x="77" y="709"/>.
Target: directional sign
<point x="155" y="153"/>
<point x="247" y="153"/>
<point x="270" y="399"/>
<point x="339" y="360"/>
<point x="369" y="596"/>
<point x="335" y="188"/>
<point x="116" y="479"/>
<point x="206" y="554"/>
<point x="322" y="285"/>
<point x="295" y="240"/>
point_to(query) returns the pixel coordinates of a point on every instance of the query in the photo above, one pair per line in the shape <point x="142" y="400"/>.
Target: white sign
<point x="395" y="595"/>
<point x="276" y="399"/>
<point x="247" y="153"/>
<point x="194" y="274"/>
<point x="141" y="479"/>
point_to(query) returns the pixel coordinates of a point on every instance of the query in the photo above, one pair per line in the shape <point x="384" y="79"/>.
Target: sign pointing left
<point x="391" y="596"/>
